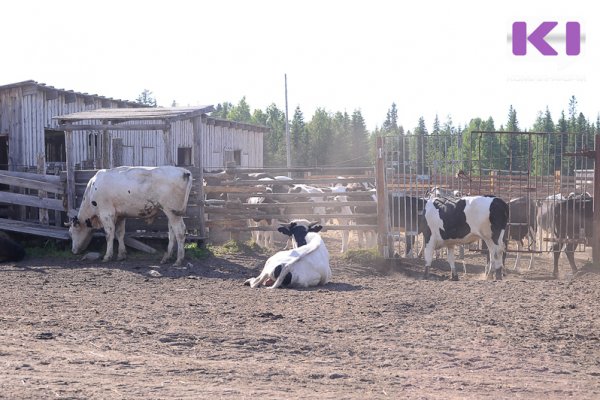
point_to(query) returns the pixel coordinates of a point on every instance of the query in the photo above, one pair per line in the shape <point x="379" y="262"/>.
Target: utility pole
<point x="287" y="131"/>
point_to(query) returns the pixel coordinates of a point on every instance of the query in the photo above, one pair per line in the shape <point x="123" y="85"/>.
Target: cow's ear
<point x="284" y="230"/>
<point x="314" y="228"/>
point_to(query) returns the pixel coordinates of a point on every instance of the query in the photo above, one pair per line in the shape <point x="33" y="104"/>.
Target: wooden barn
<point x="58" y="132"/>
<point x="28" y="129"/>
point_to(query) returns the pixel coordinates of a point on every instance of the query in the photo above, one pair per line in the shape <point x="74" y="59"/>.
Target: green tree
<point x="320" y="132"/>
<point x="360" y="151"/>
<point x="274" y="141"/>
<point x="222" y="110"/>
<point x="390" y="125"/>
<point x="240" y="112"/>
<point x="146" y="98"/>
<point x="299" y="139"/>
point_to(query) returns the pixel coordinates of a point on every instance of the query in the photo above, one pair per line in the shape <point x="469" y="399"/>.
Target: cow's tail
<point x="187" y="176"/>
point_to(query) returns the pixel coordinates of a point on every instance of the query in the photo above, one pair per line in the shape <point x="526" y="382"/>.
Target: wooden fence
<point x="231" y="215"/>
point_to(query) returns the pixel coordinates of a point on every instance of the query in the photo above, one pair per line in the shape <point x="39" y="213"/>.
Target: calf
<point x="450" y="222"/>
<point x="304" y="266"/>
<point x="572" y="224"/>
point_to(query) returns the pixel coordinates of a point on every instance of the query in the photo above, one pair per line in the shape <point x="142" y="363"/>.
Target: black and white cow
<point x="450" y="222"/>
<point x="573" y="221"/>
<point x="304" y="266"/>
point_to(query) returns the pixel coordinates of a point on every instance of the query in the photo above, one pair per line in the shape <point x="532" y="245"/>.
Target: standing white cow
<point x="115" y="194"/>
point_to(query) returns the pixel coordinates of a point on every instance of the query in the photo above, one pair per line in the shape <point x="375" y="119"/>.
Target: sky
<point x="429" y="58"/>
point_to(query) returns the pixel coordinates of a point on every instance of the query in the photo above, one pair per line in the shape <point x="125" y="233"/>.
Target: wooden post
<point x="167" y="141"/>
<point x="383" y="245"/>
<point x="596" y="218"/>
<point x="41" y="169"/>
<point x="105" y="148"/>
<point x="198" y="134"/>
<point x="70" y="171"/>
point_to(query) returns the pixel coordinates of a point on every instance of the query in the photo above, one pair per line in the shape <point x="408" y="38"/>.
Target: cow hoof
<point x="454" y="277"/>
<point x="105" y="259"/>
<point x="121" y="258"/>
<point x="499" y="274"/>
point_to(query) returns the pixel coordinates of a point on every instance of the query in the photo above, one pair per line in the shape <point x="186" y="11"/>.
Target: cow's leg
<point x="495" y="253"/>
<point x="518" y="258"/>
<point x="453" y="274"/>
<point x="170" y="244"/>
<point x="179" y="233"/>
<point x="122" y="251"/>
<point x="570" y="252"/>
<point x="108" y="224"/>
<point x="268" y="236"/>
<point x="531" y="242"/>
<point x="556" y="249"/>
<point x="345" y="238"/>
<point x="429" y="250"/>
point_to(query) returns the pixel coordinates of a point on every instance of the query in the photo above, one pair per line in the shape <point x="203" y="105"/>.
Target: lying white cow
<point x="115" y="194"/>
<point x="304" y="266"/>
<point x="460" y="221"/>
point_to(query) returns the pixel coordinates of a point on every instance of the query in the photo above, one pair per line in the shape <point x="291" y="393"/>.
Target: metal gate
<point x="541" y="169"/>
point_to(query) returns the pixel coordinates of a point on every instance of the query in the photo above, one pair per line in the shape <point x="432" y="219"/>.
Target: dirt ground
<point x="85" y="329"/>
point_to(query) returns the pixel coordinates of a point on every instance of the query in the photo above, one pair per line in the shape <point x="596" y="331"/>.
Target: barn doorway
<point x="54" y="143"/>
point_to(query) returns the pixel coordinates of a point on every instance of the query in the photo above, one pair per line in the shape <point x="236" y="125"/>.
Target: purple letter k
<point x="520" y="38"/>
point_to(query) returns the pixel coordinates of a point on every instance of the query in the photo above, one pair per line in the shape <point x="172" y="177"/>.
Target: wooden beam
<point x="31" y="201"/>
<point x="197" y="149"/>
<point x="31" y="184"/>
<point x="70" y="170"/>
<point x="136" y="244"/>
<point x="383" y="245"/>
<point x="596" y="216"/>
<point x="99" y="127"/>
<point x="34" y="229"/>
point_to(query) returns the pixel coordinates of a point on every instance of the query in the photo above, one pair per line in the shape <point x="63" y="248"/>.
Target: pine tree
<point x="299" y="139"/>
<point x="240" y="112"/>
<point x="146" y="98"/>
<point x="390" y="125"/>
<point x="359" y="146"/>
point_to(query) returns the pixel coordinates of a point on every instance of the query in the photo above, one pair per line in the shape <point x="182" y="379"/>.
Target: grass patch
<point x="234" y="247"/>
<point x="360" y="256"/>
<point x="48" y="248"/>
<point x="192" y="250"/>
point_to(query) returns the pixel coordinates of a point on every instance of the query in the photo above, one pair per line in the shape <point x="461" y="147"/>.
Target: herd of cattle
<point x="444" y="218"/>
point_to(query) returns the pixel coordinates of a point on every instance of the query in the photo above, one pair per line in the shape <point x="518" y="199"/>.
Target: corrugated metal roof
<point x="43" y="86"/>
<point x="130" y="114"/>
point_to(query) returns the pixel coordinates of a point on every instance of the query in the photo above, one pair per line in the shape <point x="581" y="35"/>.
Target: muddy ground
<point x="133" y="330"/>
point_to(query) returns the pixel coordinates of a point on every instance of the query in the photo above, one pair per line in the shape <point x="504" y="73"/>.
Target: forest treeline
<point x="342" y="139"/>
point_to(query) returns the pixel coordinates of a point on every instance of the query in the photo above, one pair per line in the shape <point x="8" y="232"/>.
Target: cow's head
<point x="81" y="233"/>
<point x="298" y="229"/>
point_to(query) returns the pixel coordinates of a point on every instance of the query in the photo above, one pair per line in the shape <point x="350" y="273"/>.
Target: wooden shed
<point x="27" y="127"/>
<point x="76" y="131"/>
